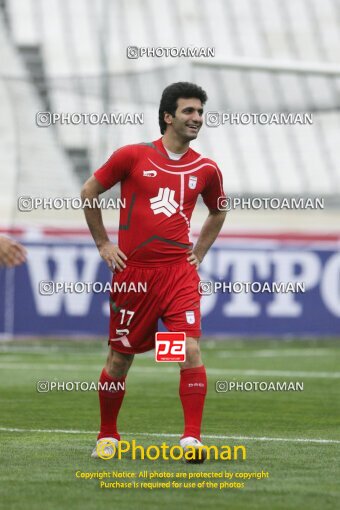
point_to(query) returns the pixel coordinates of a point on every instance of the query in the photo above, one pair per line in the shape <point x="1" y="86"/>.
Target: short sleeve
<point x="117" y="167"/>
<point x="214" y="189"/>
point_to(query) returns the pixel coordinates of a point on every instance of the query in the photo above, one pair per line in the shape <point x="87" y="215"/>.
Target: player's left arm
<point x="212" y="194"/>
<point x="210" y="230"/>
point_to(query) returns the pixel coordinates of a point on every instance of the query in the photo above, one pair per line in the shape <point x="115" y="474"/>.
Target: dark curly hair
<point x="181" y="89"/>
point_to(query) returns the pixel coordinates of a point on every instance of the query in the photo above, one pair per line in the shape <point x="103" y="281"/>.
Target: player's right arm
<point x="116" y="169"/>
<point x="111" y="253"/>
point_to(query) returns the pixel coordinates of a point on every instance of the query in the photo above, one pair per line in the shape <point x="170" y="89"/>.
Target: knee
<point x="117" y="364"/>
<point x="193" y="354"/>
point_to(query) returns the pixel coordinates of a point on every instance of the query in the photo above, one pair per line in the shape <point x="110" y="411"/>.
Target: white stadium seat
<point x="83" y="47"/>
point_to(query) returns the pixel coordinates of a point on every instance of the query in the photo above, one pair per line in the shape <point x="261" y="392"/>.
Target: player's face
<point x="188" y="118"/>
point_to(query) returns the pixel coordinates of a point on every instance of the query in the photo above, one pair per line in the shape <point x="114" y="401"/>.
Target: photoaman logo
<point x="107" y="449"/>
<point x="170" y="346"/>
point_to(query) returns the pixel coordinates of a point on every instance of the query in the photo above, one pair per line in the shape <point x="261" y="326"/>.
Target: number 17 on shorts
<point x="170" y="346"/>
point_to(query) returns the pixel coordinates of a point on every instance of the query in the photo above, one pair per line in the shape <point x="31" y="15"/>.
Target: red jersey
<point x="160" y="194"/>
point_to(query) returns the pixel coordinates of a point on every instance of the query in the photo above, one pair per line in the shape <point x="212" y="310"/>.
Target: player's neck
<point x="174" y="144"/>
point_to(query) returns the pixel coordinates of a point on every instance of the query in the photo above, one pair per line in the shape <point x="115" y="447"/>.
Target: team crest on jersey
<point x="190" y="317"/>
<point x="192" y="181"/>
<point x="149" y="173"/>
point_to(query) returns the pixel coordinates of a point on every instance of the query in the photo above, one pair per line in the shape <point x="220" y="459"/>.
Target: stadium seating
<point x="31" y="159"/>
<point x="83" y="47"/>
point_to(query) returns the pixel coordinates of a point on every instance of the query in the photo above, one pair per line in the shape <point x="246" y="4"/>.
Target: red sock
<point x="192" y="391"/>
<point x="110" y="402"/>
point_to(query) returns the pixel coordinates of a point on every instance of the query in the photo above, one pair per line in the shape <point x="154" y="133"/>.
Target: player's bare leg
<point x="192" y="390"/>
<point x="118" y="363"/>
<point x="193" y="354"/>
<point x="111" y="395"/>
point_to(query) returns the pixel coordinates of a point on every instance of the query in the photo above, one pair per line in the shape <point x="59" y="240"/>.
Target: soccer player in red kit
<point x="160" y="182"/>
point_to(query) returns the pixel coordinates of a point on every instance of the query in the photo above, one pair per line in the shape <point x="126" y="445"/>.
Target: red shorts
<point x="140" y="296"/>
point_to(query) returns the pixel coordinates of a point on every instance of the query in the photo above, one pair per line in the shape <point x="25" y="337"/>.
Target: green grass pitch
<point x="47" y="437"/>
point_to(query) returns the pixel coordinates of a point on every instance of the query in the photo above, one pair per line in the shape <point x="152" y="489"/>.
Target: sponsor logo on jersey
<point x="192" y="181"/>
<point x="164" y="202"/>
<point x="149" y="173"/>
<point x="190" y="317"/>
